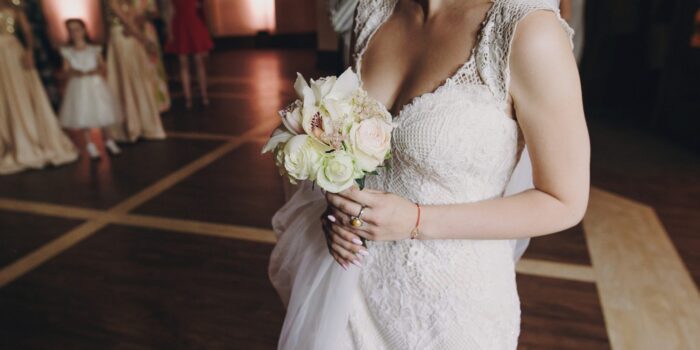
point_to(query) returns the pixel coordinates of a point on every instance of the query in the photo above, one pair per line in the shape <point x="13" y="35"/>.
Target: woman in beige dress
<point x="130" y="76"/>
<point x="30" y="136"/>
<point x="149" y="10"/>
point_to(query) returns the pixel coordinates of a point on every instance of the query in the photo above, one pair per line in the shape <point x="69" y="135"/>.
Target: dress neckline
<point x="445" y="82"/>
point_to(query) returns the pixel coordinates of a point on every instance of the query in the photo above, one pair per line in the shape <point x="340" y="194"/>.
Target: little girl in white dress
<point x="88" y="102"/>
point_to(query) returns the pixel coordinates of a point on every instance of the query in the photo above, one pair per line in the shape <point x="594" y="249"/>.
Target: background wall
<point x="327" y="38"/>
<point x="248" y="17"/>
<point x="240" y="17"/>
<point x="57" y="11"/>
<point x="638" y="66"/>
<point x="295" y="16"/>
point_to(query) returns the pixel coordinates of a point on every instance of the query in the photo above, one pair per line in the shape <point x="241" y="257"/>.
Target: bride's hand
<point x="345" y="247"/>
<point x="386" y="217"/>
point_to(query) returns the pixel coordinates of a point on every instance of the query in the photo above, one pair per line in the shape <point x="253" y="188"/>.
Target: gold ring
<point x="356" y="221"/>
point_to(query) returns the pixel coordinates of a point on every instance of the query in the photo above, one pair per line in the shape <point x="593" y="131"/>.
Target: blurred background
<point x="163" y="242"/>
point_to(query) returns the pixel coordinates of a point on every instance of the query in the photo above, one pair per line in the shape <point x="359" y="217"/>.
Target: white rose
<point x="302" y="157"/>
<point x="279" y="136"/>
<point x="370" y="140"/>
<point x="338" y="172"/>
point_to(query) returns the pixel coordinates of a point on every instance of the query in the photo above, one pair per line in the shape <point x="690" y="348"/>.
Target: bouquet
<point x="334" y="134"/>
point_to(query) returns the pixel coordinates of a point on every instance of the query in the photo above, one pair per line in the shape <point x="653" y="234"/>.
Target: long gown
<point x="161" y="82"/>
<point x="30" y="136"/>
<point x="457" y="144"/>
<point x="131" y="78"/>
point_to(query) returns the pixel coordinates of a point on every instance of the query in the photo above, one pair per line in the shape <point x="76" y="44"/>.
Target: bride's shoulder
<point x="531" y="19"/>
<point x="515" y="10"/>
<point x="530" y="16"/>
<point x="375" y="6"/>
<point x="369" y="15"/>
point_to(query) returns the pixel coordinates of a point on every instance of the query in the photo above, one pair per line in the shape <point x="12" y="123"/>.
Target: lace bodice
<point x="456" y="144"/>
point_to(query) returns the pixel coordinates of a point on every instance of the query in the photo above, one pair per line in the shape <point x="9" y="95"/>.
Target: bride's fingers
<point x="348" y="241"/>
<point x="342" y="262"/>
<point x="371" y="191"/>
<point x="343" y="204"/>
<point x="345" y="254"/>
<point x="367" y="219"/>
<point x="364" y="232"/>
<point x="328" y="236"/>
<point x="367" y="197"/>
<point x="339" y="217"/>
<point x="344" y="247"/>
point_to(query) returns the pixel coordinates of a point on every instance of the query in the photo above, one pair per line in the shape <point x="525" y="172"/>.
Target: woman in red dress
<point x="188" y="35"/>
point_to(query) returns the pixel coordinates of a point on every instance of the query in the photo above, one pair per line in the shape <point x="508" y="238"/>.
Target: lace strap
<point x="493" y="52"/>
<point x="371" y="14"/>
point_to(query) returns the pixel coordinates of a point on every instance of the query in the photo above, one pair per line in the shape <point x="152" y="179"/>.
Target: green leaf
<point x="361" y="183"/>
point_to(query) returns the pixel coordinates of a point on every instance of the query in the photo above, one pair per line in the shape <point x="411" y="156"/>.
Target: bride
<point x="470" y="82"/>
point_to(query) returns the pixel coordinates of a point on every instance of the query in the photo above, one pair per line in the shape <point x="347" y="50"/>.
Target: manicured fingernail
<point x="356" y="263"/>
<point x="357" y="241"/>
<point x="363" y="252"/>
<point x="331" y="218"/>
<point x="344" y="267"/>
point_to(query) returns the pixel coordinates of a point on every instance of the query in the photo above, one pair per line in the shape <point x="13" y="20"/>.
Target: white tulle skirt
<point x="88" y="103"/>
<point x="315" y="289"/>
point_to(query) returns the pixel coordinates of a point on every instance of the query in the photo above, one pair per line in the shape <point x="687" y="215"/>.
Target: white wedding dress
<point x="455" y="145"/>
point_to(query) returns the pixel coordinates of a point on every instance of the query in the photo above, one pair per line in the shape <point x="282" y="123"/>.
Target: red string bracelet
<point x="415" y="232"/>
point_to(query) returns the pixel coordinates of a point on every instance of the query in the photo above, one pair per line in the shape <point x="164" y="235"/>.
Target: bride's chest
<point x="456" y="126"/>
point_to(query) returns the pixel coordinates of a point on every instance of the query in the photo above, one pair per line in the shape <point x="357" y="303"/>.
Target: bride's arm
<point x="547" y="99"/>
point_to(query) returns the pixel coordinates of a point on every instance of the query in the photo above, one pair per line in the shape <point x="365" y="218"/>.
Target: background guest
<point x="88" y="102"/>
<point x="45" y="59"/>
<point x="130" y="74"/>
<point x="30" y="136"/>
<point x="188" y="35"/>
<point x="151" y="11"/>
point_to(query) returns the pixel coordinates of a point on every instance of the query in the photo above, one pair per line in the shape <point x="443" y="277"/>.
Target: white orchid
<point x="292" y="118"/>
<point x="279" y="136"/>
<point x="325" y="101"/>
